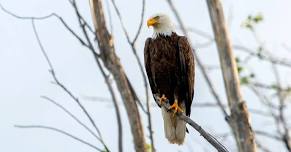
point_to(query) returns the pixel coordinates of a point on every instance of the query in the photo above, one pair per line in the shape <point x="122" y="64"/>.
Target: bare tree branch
<point x="262" y="147"/>
<point x="58" y="83"/>
<point x="285" y="135"/>
<point x="71" y="115"/>
<point x="267" y="134"/>
<point x="60" y="131"/>
<point x="263" y="56"/>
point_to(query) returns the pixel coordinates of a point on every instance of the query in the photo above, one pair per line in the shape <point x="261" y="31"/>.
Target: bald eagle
<point x="170" y="67"/>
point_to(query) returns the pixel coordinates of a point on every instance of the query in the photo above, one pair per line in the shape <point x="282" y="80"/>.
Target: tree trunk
<point x="239" y="119"/>
<point x="112" y="63"/>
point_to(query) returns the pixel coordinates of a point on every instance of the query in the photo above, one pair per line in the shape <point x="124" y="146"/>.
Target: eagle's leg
<point x="162" y="99"/>
<point x="175" y="107"/>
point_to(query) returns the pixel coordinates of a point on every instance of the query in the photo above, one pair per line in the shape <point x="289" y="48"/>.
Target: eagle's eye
<point x="157" y="17"/>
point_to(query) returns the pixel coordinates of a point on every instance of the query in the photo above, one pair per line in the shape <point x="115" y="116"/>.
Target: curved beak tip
<point x="151" y="22"/>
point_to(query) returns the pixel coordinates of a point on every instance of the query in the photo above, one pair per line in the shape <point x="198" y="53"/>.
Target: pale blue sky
<point x="24" y="71"/>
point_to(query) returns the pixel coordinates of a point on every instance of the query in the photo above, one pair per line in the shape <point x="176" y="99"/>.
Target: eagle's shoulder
<point x="148" y="40"/>
<point x="147" y="43"/>
<point x="183" y="40"/>
<point x="184" y="45"/>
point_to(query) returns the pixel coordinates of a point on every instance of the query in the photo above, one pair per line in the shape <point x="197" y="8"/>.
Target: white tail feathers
<point x="175" y="129"/>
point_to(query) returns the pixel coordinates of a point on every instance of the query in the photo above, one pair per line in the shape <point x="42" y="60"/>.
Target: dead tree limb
<point x="239" y="118"/>
<point x="112" y="63"/>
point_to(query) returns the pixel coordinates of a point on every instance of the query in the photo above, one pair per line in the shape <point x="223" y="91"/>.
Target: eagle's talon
<point x="162" y="99"/>
<point x="175" y="107"/>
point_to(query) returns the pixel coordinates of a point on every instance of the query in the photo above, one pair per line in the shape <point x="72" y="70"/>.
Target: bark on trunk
<point x="239" y="118"/>
<point x="112" y="63"/>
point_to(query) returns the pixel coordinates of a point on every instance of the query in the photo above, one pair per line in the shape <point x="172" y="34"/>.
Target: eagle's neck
<point x="166" y="30"/>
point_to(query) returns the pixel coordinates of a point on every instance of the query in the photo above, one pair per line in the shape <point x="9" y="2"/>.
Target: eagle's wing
<point x="147" y="62"/>
<point x="187" y="65"/>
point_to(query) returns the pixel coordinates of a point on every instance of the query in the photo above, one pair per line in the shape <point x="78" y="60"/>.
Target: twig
<point x="59" y="131"/>
<point x="267" y="134"/>
<point x="71" y="115"/>
<point x="262" y="147"/>
<point x="58" y="83"/>
<point x="44" y="18"/>
<point x="140" y="23"/>
<point x="27" y="18"/>
<point x="263" y="56"/>
<point x="285" y="136"/>
<point x="110" y="17"/>
<point x="49" y="62"/>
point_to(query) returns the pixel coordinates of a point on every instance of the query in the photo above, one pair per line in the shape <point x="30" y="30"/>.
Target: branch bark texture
<point x="239" y="119"/>
<point x="112" y="63"/>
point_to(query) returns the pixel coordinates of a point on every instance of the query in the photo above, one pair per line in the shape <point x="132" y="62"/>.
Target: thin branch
<point x="59" y="131"/>
<point x="71" y="115"/>
<point x="211" y="87"/>
<point x="27" y="18"/>
<point x="140" y="23"/>
<point x="110" y="17"/>
<point x="44" y="18"/>
<point x="262" y="147"/>
<point x="49" y="62"/>
<point x="285" y="137"/>
<point x="263" y="56"/>
<point x="64" y="87"/>
<point x="267" y="134"/>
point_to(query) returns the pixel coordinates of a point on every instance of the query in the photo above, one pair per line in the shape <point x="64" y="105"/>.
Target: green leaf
<point x="258" y="18"/>
<point x="251" y="21"/>
<point x="244" y="80"/>
<point x="239" y="69"/>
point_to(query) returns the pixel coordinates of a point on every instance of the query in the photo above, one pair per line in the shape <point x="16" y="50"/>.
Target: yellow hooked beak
<point x="151" y="22"/>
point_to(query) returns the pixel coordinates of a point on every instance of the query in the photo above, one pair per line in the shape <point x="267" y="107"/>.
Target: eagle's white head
<point x="162" y="25"/>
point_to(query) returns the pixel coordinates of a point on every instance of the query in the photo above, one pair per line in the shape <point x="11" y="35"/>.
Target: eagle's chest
<point x="165" y="60"/>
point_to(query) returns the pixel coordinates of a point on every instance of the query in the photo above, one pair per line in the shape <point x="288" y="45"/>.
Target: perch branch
<point x="211" y="139"/>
